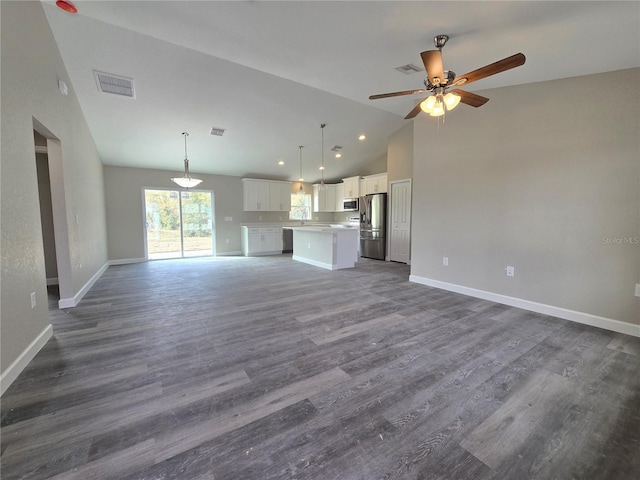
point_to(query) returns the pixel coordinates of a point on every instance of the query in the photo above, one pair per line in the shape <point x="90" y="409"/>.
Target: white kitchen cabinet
<point x="375" y="184"/>
<point x="255" y="195"/>
<point x="351" y="187"/>
<point x="261" y="241"/>
<point x="266" y="195"/>
<point x="280" y="196"/>
<point x="340" y="197"/>
<point x="324" y="199"/>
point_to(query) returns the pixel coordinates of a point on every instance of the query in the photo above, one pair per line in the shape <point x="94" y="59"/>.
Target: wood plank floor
<point x="266" y="368"/>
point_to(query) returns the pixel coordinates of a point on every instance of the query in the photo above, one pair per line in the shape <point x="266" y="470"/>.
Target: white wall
<point x="400" y="154"/>
<point x="31" y="68"/>
<point x="538" y="178"/>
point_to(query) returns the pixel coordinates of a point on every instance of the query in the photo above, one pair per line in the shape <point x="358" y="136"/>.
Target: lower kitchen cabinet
<point x="261" y="241"/>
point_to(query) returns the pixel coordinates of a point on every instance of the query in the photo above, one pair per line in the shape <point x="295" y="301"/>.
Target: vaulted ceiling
<point x="270" y="73"/>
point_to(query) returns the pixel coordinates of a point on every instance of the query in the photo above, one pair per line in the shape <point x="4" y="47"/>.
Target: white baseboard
<point x="315" y="263"/>
<point x="229" y="254"/>
<point x="52" y="281"/>
<point x="75" y="300"/>
<point x="126" y="261"/>
<point x="20" y="363"/>
<point x="572" y="315"/>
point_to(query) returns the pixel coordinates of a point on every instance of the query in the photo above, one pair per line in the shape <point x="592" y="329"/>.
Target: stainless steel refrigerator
<point x="373" y="225"/>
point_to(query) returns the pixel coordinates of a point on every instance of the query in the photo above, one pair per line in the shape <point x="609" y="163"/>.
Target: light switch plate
<point x="511" y="271"/>
<point x="637" y="289"/>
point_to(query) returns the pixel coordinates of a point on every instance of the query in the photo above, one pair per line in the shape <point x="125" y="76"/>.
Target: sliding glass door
<point x="178" y="223"/>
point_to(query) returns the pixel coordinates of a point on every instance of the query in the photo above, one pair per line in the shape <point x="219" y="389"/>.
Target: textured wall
<point x="31" y="68"/>
<point x="545" y="177"/>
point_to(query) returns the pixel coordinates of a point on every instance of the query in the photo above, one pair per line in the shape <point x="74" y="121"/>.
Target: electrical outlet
<point x="226" y="240"/>
<point x="309" y="245"/>
<point x="33" y="299"/>
<point x="637" y="289"/>
<point x="445" y="261"/>
<point x="511" y="271"/>
<point x="228" y="219"/>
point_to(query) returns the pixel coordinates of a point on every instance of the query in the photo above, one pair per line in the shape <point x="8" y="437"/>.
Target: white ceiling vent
<point x="336" y="148"/>
<point x="115" y="84"/>
<point x="409" y="69"/>
<point x="217" y="131"/>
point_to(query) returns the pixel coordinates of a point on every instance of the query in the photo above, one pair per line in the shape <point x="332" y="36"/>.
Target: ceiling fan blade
<point x="432" y="60"/>
<point x="491" y="69"/>
<point x="415" y="111"/>
<point x="470" y="98"/>
<point x="396" y="94"/>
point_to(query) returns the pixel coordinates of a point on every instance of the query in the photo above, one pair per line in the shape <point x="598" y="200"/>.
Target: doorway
<point x="400" y="222"/>
<point x="178" y="223"/>
<point x="46" y="219"/>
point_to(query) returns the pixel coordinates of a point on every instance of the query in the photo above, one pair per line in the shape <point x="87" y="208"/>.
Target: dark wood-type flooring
<point x="266" y="368"/>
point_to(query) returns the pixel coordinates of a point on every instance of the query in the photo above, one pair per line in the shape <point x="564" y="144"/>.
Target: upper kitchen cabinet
<point x="266" y="195"/>
<point x="280" y="196"/>
<point x="340" y="197"/>
<point x="374" y="184"/>
<point x="255" y="195"/>
<point x="351" y="187"/>
<point x="324" y="198"/>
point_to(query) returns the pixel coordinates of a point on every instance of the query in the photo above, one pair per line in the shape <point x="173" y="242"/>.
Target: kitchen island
<point x="332" y="247"/>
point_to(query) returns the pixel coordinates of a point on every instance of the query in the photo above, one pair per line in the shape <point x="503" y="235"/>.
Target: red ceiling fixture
<point x="67" y="6"/>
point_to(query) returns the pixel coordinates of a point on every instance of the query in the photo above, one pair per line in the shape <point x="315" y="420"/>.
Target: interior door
<point x="400" y="237"/>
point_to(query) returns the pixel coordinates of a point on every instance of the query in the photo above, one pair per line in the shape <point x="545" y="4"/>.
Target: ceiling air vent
<point x="217" y="131"/>
<point x="115" y="84"/>
<point x="336" y="148"/>
<point x="409" y="69"/>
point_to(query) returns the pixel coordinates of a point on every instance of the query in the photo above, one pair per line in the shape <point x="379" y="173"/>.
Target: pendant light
<point x="300" y="179"/>
<point x="322" y="185"/>
<point x="186" y="181"/>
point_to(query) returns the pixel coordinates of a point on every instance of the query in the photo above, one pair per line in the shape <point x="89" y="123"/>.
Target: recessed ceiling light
<point x="362" y="137"/>
<point x="281" y="162"/>
<point x="338" y="155"/>
<point x="321" y="168"/>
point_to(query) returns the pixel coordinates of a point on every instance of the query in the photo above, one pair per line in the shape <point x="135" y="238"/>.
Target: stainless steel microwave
<point x="350" y="205"/>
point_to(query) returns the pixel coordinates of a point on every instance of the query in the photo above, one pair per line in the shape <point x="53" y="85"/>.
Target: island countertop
<point x="329" y="247"/>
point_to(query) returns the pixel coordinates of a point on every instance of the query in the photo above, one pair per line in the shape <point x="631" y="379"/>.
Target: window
<point x="300" y="207"/>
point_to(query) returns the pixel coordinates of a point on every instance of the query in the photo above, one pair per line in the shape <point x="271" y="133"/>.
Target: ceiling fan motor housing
<point x="440" y="41"/>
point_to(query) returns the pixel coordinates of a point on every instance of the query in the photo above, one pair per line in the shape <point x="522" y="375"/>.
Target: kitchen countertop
<point x="331" y="228"/>
<point x="296" y="224"/>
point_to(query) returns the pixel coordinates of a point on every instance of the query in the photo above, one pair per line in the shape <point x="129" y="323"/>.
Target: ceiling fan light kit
<point x="439" y="80"/>
<point x="186" y="181"/>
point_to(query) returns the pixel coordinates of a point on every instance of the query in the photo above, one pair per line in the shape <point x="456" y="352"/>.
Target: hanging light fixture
<point x="186" y="181"/>
<point x="300" y="179"/>
<point x="435" y="104"/>
<point x="322" y="185"/>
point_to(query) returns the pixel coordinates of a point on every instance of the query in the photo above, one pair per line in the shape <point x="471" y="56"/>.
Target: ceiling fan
<point x="439" y="81"/>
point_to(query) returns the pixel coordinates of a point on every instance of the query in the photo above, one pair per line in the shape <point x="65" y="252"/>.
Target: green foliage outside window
<point x="300" y="207"/>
